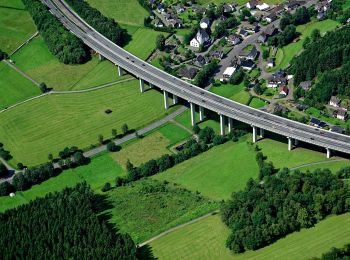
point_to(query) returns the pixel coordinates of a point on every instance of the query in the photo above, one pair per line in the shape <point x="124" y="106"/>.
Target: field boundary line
<point x="24" y="43"/>
<point x="65" y="92"/>
<point x="317" y="163"/>
<point x="177" y="227"/>
<point x="22" y="73"/>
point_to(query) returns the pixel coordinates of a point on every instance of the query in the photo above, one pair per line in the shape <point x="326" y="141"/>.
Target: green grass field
<point x="277" y="152"/>
<point x="206" y="240"/>
<point x="14" y="87"/>
<point x="234" y="92"/>
<point x="76" y="119"/>
<point x="285" y="54"/>
<point x="16" y="25"/>
<point x="101" y="169"/>
<point x="143" y="42"/>
<point x="122" y="11"/>
<point x="217" y="178"/>
<point x="147" y="207"/>
<point x="37" y="61"/>
<point x="257" y="103"/>
<point x="151" y="146"/>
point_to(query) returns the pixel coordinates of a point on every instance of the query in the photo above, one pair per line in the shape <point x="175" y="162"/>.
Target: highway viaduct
<point x="228" y="110"/>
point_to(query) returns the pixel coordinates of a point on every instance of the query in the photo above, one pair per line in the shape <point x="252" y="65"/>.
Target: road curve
<point x="191" y="93"/>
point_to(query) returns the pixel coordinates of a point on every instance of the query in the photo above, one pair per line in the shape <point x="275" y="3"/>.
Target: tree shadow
<point x="145" y="253"/>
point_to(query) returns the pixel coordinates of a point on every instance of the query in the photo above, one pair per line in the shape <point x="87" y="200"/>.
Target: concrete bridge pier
<point x="230" y="124"/>
<point x="142" y="85"/>
<point x="290" y="144"/>
<point x="201" y="113"/>
<point x="329" y="153"/>
<point x="151" y="85"/>
<point x="100" y="57"/>
<point x="166" y="100"/>
<point x="262" y="133"/>
<point x="193" y="114"/>
<point x="120" y="71"/>
<point x="222" y="124"/>
<point x="296" y="142"/>
<point x="175" y="99"/>
<point x="254" y="133"/>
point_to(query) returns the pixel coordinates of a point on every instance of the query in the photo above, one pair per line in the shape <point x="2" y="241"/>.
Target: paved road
<point x="223" y="106"/>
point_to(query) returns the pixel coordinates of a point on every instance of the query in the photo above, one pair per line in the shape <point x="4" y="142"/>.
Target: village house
<point x="217" y="55"/>
<point x="317" y="123"/>
<point x="251" y="28"/>
<point x="275" y="81"/>
<point x="270" y="63"/>
<point x="204" y="23"/>
<point x="187" y="73"/>
<point x="229" y="8"/>
<point x="179" y="9"/>
<point x="233" y="39"/>
<point x="269" y="32"/>
<point x="341" y="114"/>
<point x="199" y="9"/>
<point x="305" y="85"/>
<point x="293" y="4"/>
<point x="271" y="18"/>
<point x="161" y="8"/>
<point x="158" y="23"/>
<point x="249" y="55"/>
<point x="277" y="10"/>
<point x="200" y="39"/>
<point x="262" y="7"/>
<point x="334" y="101"/>
<point x="247" y="65"/>
<point x="243" y="33"/>
<point x="283" y="91"/>
<point x="252" y="4"/>
<point x="228" y="73"/>
<point x="200" y="61"/>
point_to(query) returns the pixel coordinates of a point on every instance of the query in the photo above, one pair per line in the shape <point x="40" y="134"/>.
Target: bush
<point x="3" y="170"/>
<point x="218" y="139"/>
<point x="106" y="187"/>
<point x="206" y="135"/>
<point x="196" y="129"/>
<point x="6" y="188"/>
<point x="112" y="147"/>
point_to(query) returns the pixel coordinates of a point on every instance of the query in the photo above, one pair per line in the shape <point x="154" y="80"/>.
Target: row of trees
<point x="106" y="26"/>
<point x="41" y="173"/>
<point x="285" y="37"/>
<point x="65" y="225"/>
<point x="281" y="204"/>
<point x="64" y="45"/>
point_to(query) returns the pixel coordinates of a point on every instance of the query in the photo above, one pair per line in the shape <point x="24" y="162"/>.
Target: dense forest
<point x="62" y="225"/>
<point x="320" y="59"/>
<point x="281" y="204"/>
<point x="64" y="45"/>
<point x="106" y="26"/>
